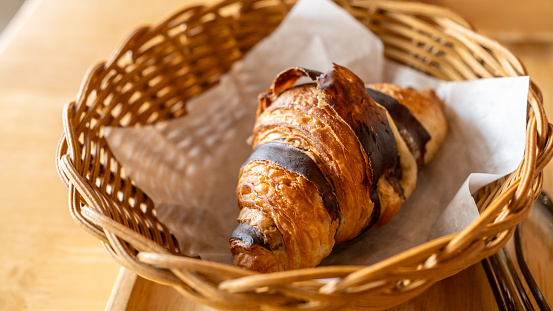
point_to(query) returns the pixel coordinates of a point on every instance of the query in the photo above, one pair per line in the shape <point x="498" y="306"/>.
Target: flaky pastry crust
<point x="329" y="162"/>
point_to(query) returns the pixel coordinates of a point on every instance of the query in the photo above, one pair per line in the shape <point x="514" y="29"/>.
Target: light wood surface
<point x="46" y="261"/>
<point x="506" y="20"/>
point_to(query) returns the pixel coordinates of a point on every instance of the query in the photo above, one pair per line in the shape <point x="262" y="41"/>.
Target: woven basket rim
<point x="193" y="278"/>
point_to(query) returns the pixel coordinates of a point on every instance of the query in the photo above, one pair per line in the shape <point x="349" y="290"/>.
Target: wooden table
<point x="46" y="261"/>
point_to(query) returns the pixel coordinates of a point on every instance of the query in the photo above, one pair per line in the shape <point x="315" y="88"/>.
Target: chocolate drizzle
<point x="345" y="92"/>
<point x="297" y="161"/>
<point x="411" y="130"/>
<point x="249" y="235"/>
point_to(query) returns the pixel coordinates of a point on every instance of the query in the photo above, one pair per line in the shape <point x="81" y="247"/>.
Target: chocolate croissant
<point x="331" y="158"/>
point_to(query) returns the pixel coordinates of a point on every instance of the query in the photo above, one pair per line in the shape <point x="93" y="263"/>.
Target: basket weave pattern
<point x="159" y="68"/>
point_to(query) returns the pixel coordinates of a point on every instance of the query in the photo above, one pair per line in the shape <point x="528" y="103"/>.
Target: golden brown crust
<point x="286" y="213"/>
<point x="255" y="257"/>
<point x="303" y="118"/>
<point x="307" y="233"/>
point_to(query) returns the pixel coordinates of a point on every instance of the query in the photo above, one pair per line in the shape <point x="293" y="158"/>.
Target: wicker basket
<point x="159" y="68"/>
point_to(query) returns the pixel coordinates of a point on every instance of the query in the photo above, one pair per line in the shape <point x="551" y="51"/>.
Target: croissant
<point x="331" y="158"/>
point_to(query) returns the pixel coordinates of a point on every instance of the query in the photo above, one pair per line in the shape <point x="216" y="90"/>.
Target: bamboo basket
<point x="158" y="68"/>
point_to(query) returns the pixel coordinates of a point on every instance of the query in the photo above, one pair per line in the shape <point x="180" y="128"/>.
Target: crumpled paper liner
<point x="189" y="166"/>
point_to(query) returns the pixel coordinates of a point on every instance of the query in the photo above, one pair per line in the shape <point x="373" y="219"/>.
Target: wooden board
<point x="467" y="290"/>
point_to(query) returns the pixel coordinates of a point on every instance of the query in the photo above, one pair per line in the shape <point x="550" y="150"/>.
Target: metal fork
<point x="506" y="282"/>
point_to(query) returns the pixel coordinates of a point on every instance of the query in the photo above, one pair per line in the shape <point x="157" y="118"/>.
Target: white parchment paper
<point x="189" y="166"/>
